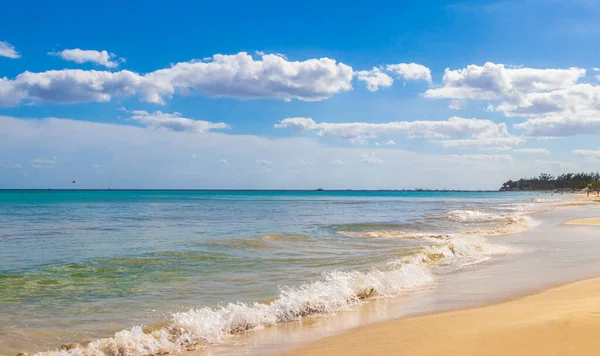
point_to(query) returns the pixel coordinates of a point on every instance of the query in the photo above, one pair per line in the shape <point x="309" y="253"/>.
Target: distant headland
<point x="563" y="182"/>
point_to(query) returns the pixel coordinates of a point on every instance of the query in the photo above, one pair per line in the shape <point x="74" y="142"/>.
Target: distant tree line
<point x="568" y="181"/>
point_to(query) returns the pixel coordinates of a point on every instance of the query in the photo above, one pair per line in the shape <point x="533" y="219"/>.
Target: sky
<point x="272" y="95"/>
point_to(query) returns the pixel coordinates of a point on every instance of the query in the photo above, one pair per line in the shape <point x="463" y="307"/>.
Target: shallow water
<point x="82" y="265"/>
<point x="551" y="254"/>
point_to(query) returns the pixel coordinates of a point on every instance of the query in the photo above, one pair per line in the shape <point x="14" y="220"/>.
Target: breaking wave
<point x="334" y="291"/>
<point x="545" y="200"/>
<point x="477" y="216"/>
<point x="392" y="234"/>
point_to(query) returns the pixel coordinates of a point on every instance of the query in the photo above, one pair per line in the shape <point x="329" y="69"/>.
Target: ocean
<point x="138" y="272"/>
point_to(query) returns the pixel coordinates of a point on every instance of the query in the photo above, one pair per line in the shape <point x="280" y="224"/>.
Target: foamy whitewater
<point x="142" y="257"/>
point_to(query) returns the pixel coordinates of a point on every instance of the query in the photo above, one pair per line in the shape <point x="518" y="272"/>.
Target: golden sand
<point x="589" y="222"/>
<point x="559" y="321"/>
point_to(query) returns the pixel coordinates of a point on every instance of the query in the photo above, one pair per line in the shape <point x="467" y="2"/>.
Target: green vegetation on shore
<point x="567" y="181"/>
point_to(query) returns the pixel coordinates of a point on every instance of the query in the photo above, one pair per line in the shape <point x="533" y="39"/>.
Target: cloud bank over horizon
<point x="42" y="153"/>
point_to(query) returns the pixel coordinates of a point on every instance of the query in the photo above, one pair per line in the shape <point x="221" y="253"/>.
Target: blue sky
<point x="436" y="94"/>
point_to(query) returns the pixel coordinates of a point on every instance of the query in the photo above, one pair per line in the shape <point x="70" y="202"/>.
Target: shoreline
<point x="398" y="335"/>
<point x="561" y="320"/>
<point x="306" y="325"/>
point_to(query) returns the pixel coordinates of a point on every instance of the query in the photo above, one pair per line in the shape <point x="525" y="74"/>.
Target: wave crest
<point x="336" y="290"/>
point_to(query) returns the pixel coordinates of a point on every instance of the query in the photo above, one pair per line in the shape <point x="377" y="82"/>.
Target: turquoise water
<point x="78" y="265"/>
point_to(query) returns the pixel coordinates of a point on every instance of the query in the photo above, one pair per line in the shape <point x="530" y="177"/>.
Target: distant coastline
<point x="548" y="182"/>
<point x="254" y="190"/>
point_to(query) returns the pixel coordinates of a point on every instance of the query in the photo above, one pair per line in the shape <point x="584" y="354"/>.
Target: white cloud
<point x="8" y="50"/>
<point x="234" y="76"/>
<point x="174" y="122"/>
<point x="596" y="69"/>
<point x="73" y="86"/>
<point x="338" y="162"/>
<point x="307" y="163"/>
<point x="588" y="153"/>
<point x="97" y="166"/>
<point x="410" y="71"/>
<point x="558" y="125"/>
<point x="222" y="161"/>
<point x="103" y="58"/>
<point x="43" y="162"/>
<point x="271" y="76"/>
<point x="388" y="143"/>
<point x="264" y="162"/>
<point x="577" y="99"/>
<point x="370" y="158"/>
<point x="458" y="104"/>
<point x="470" y="132"/>
<point x="375" y="79"/>
<point x="553" y="100"/>
<point x="497" y="82"/>
<point x="297" y="124"/>
<point x="532" y="150"/>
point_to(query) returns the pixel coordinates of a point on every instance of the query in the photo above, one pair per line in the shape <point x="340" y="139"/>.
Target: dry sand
<point x="589" y="222"/>
<point x="559" y="321"/>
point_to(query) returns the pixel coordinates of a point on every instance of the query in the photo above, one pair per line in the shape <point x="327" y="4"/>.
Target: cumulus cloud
<point x="271" y="76"/>
<point x="370" y="158"/>
<point x="374" y="79"/>
<point x="559" y="125"/>
<point x="174" y="122"/>
<point x="8" y="50"/>
<point x="103" y="58"/>
<point x="552" y="99"/>
<point x="576" y="99"/>
<point x="307" y="163"/>
<point x="338" y="162"/>
<point x="497" y="82"/>
<point x="222" y="161"/>
<point x="234" y="76"/>
<point x="72" y="86"/>
<point x="466" y="132"/>
<point x="410" y="71"/>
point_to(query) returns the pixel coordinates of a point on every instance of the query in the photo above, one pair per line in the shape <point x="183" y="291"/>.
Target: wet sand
<point x="586" y="222"/>
<point x="559" y="321"/>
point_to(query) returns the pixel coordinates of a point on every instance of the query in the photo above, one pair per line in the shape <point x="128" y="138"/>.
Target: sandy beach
<point x="559" y="321"/>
